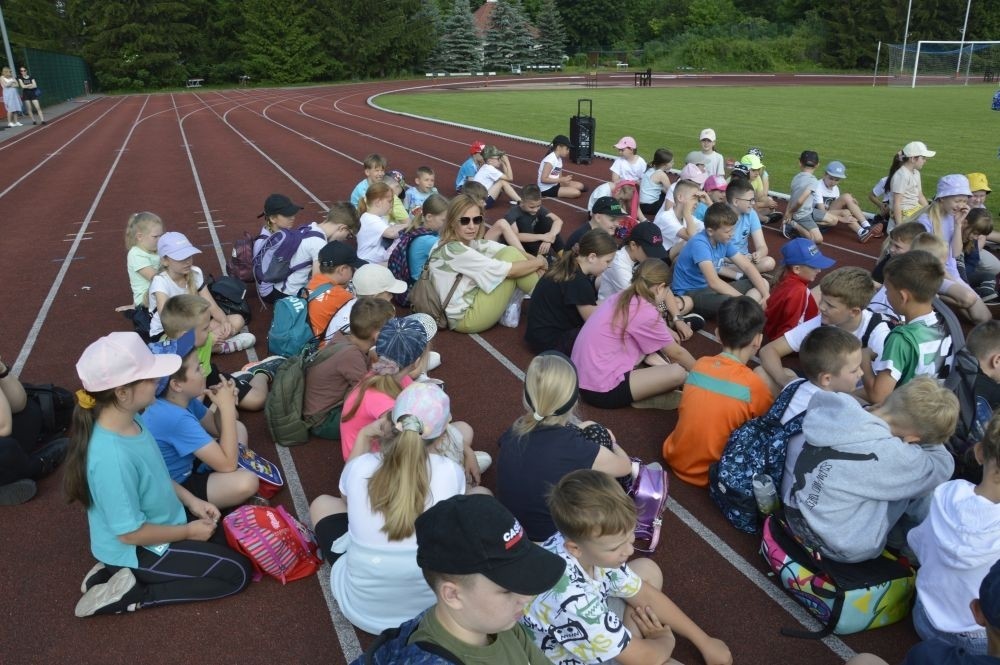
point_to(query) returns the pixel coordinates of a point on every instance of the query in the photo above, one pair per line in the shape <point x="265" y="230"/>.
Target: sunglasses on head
<point x="465" y="221"/>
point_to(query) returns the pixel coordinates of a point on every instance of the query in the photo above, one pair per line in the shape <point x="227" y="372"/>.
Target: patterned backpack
<point x="392" y="647"/>
<point x="274" y="541"/>
<point x="756" y="446"/>
<point x="399" y="262"/>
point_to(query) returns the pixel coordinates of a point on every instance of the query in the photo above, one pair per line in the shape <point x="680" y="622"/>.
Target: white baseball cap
<point x="917" y="149"/>
<point x="373" y="279"/>
<point x="707" y="134"/>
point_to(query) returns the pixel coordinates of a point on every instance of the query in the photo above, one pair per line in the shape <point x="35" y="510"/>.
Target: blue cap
<point x="804" y="252"/>
<point x="989" y="596"/>
<point x="402" y="341"/>
<point x="180" y="346"/>
<point x="836" y="169"/>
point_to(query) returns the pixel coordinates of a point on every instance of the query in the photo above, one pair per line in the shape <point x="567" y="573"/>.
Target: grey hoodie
<point x="849" y="471"/>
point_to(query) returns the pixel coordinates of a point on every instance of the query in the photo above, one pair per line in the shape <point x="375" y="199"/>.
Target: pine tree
<point x="551" y="35"/>
<point x="508" y="41"/>
<point x="280" y="46"/>
<point x="458" y="48"/>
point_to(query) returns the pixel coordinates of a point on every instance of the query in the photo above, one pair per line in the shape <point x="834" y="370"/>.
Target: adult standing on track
<point x="29" y="95"/>
<point x="11" y="96"/>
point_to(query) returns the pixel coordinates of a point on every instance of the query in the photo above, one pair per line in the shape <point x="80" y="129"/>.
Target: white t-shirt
<point x="715" y="163"/>
<point x="487" y="175"/>
<point x="876" y="340"/>
<point x="825" y="195"/>
<point x="881" y="191"/>
<point x="670" y="226"/>
<point x="627" y="170"/>
<point x="604" y="189"/>
<point x="557" y="166"/>
<point x="370" y="246"/>
<point x="308" y="252"/>
<point x="617" y="276"/>
<point x="161" y="283"/>
<point x="377" y="582"/>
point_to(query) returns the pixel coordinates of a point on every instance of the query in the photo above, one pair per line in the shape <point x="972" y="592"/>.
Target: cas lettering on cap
<point x="513" y="536"/>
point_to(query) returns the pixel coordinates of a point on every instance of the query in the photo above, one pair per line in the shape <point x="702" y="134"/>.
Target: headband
<point x="570" y="403"/>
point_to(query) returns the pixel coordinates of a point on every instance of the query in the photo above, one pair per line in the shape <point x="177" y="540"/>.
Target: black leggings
<point x="190" y="570"/>
<point x="16" y="460"/>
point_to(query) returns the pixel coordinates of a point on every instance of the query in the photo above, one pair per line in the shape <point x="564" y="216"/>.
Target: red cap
<point x="476" y="148"/>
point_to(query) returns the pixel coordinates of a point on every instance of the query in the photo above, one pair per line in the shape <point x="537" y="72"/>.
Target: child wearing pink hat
<point x="629" y="165"/>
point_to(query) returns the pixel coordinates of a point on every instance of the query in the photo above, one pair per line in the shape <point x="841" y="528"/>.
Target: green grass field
<point x="858" y="125"/>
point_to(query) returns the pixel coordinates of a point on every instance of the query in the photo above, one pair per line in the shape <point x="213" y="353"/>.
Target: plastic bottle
<point x="765" y="493"/>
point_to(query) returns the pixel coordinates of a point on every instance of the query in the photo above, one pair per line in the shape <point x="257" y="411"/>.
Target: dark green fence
<point x="59" y="76"/>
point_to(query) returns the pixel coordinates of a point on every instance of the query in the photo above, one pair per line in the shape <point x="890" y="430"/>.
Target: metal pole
<point x="6" y="44"/>
<point x="906" y="33"/>
<point x="958" y="67"/>
<point x="916" y="64"/>
<point x="878" y="52"/>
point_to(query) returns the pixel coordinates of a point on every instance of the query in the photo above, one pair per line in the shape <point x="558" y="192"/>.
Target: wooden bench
<point x="245" y="80"/>
<point x="644" y="79"/>
<point x="194" y="83"/>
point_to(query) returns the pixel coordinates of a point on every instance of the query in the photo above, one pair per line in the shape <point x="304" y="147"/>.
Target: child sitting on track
<point x="740" y="196"/>
<point x="549" y="441"/>
<point x="628" y="165"/>
<point x="655" y="182"/>
<point x="834" y="208"/>
<point x="904" y="182"/>
<point x="469" y="167"/>
<point x="148" y="551"/>
<point x="375" y="166"/>
<point x="496" y="176"/>
<point x="142" y="233"/>
<point x="536" y="226"/>
<point x="855" y="487"/>
<point x="189" y="435"/>
<point x="720" y="385"/>
<point x="606" y="606"/>
<point x="423" y="186"/>
<point x="552" y="181"/>
<point x="337" y="263"/>
<point x="376" y="232"/>
<point x="791" y="302"/>
<point x="625" y="330"/>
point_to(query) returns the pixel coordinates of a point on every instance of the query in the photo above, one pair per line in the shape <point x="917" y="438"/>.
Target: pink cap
<point x="626" y="142"/>
<point x="120" y="358"/>
<point x="715" y="183"/>
<point x="693" y="173"/>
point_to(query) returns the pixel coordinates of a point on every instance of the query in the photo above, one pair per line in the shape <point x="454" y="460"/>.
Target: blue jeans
<point x="973" y="642"/>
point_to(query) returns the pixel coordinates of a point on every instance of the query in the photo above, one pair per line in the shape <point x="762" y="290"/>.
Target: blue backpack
<point x="290" y="330"/>
<point x="756" y="446"/>
<point x="392" y="648"/>
<point x="272" y="264"/>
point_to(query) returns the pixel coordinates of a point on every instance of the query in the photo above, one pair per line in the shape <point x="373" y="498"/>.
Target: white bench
<point x="194" y="83"/>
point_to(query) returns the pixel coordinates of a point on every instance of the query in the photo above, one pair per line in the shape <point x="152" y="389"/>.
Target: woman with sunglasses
<point x="29" y="95"/>
<point x="474" y="277"/>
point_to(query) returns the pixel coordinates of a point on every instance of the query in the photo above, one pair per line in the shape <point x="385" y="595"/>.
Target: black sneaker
<point x="17" y="492"/>
<point x="987" y="292"/>
<point x="774" y="218"/>
<point x="268" y="366"/>
<point x="110" y="597"/>
<point x="52" y="454"/>
<point x="696" y="321"/>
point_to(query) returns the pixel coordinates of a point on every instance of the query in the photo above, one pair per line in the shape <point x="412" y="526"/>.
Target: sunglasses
<point x="465" y="221"/>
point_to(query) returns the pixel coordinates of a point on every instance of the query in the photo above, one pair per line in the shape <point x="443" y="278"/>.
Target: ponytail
<point x="88" y="409"/>
<point x="594" y="241"/>
<point x="399" y="487"/>
<point x="376" y="192"/>
<point x="649" y="273"/>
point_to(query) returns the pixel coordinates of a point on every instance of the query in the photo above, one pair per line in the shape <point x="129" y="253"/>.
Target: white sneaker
<point x="10" y="124"/>
<point x="433" y="361"/>
<point x="483" y="459"/>
<point x="238" y="342"/>
<point x="17" y="124"/>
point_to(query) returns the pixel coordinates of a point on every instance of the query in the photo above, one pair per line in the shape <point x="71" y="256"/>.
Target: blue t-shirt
<point x="129" y="487"/>
<point x="699" y="211"/>
<point x="420" y="248"/>
<point x="939" y="652"/>
<point x="414" y="198"/>
<point x="746" y="224"/>
<point x="178" y="433"/>
<point x="687" y="274"/>
<point x="465" y="171"/>
<point x="359" y="191"/>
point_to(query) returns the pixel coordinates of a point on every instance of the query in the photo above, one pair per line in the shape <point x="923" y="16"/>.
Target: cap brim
<point x="290" y="211"/>
<point x="652" y="251"/>
<point x="182" y="253"/>
<point x="533" y="573"/>
<point x="397" y="286"/>
<point x="820" y="262"/>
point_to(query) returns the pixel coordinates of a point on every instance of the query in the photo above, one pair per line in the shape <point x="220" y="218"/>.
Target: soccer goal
<point x="940" y="63"/>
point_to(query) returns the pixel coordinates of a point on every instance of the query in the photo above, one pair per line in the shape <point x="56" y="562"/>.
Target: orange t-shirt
<point x="720" y="394"/>
<point x="325" y="305"/>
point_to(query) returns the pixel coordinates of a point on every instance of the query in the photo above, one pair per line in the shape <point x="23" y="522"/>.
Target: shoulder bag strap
<point x="454" y="285"/>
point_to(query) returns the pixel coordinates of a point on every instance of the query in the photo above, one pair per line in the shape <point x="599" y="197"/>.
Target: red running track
<point x="204" y="162"/>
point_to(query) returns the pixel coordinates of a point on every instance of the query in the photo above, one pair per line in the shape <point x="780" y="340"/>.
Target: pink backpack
<point x="276" y="543"/>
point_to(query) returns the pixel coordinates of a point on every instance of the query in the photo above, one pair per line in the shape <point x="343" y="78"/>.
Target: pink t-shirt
<point x="373" y="405"/>
<point x="601" y="357"/>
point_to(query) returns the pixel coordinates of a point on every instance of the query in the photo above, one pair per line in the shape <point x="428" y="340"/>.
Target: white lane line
<point x="85" y="104"/>
<point x="346" y="634"/>
<point x="43" y="311"/>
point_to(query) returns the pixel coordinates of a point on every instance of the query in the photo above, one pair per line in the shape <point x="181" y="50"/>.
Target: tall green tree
<point x="551" y="34"/>
<point x="280" y="46"/>
<point x="137" y="44"/>
<point x="393" y="38"/>
<point x="41" y="24"/>
<point x="459" y="48"/>
<point x="594" y="25"/>
<point x="508" y="41"/>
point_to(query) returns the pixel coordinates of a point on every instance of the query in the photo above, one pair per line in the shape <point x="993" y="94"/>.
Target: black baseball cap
<point x="648" y="236"/>
<point x="607" y="205"/>
<point x="470" y="534"/>
<point x="562" y="139"/>
<point x="336" y="253"/>
<point x="279" y="204"/>
<point x="809" y="158"/>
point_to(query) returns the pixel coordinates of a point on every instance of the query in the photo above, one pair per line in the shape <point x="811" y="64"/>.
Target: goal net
<point x="940" y="63"/>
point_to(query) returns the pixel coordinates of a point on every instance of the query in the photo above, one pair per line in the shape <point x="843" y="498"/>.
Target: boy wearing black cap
<point x="645" y="241"/>
<point x="484" y="572"/>
<point x="605" y="214"/>
<point x="337" y="263"/>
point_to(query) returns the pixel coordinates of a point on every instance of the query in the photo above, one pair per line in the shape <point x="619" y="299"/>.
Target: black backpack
<point x="973" y="416"/>
<point x="230" y="295"/>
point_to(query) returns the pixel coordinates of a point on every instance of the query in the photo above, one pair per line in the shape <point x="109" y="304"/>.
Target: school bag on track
<point x="845" y="597"/>
<point x="649" y="492"/>
<point x="57" y="406"/>
<point x="230" y="295"/>
<point x="272" y="264"/>
<point x="276" y="543"/>
<point x="290" y="331"/>
<point x="756" y="446"/>
<point x="392" y="648"/>
<point x="240" y="263"/>
<point x="283" y="408"/>
<point x="399" y="262"/>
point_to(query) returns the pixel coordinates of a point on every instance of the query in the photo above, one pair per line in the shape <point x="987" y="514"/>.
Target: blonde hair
<point x="345" y="214"/>
<point x="550" y="382"/>
<point x="456" y="207"/>
<point x="180" y="314"/>
<point x="139" y="222"/>
<point x="649" y="273"/>
<point x="377" y="191"/>
<point x="387" y="384"/>
<point x="435" y="204"/>
<point x="925" y="406"/>
<point x="399" y="487"/>
<point x="588" y="504"/>
<point x="851" y="285"/>
<point x="932" y="244"/>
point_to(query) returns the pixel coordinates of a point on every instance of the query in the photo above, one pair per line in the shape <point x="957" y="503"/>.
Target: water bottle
<point x="765" y="493"/>
<point x="512" y="314"/>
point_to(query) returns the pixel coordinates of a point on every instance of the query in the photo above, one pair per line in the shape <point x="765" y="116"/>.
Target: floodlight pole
<point x="6" y="43"/>
<point x="958" y="67"/>
<point x="906" y="33"/>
